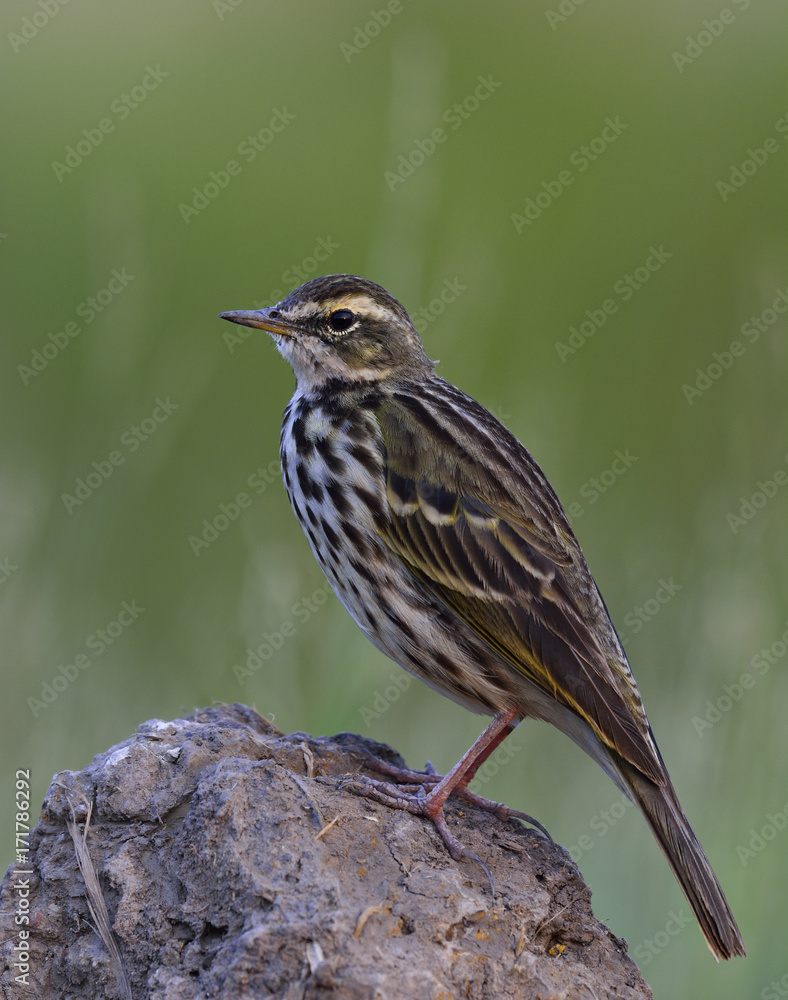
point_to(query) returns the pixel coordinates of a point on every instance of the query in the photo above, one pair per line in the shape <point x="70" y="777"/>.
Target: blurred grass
<point x="322" y="177"/>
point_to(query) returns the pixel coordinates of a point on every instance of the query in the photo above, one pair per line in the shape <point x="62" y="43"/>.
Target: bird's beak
<point x="269" y="320"/>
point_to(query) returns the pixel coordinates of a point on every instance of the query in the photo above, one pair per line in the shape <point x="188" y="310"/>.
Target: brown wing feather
<point x="487" y="535"/>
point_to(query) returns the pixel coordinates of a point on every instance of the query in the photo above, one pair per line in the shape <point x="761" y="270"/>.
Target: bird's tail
<point x="660" y="806"/>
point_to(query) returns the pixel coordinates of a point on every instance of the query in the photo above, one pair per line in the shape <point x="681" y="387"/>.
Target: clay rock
<point x="236" y="862"/>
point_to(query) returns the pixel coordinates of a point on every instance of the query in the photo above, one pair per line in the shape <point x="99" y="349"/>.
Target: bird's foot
<point x="425" y="794"/>
<point x="422" y="799"/>
<point x="429" y="779"/>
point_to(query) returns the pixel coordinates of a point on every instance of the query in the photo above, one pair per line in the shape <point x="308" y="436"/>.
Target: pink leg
<point x="470" y="762"/>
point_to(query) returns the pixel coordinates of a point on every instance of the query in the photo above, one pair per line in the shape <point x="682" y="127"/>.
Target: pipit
<point x="444" y="540"/>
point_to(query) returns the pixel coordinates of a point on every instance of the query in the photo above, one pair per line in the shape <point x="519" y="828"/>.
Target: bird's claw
<point x="429" y="778"/>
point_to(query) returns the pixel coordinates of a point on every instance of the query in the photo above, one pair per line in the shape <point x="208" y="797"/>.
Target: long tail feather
<point x="681" y="847"/>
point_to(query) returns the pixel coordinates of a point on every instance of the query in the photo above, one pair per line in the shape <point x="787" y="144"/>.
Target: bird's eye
<point x="341" y="320"/>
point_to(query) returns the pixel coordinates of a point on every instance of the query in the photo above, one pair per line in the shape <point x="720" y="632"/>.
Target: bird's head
<point x="341" y="328"/>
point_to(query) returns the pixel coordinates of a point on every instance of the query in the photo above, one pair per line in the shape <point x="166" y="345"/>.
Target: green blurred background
<point x="350" y="94"/>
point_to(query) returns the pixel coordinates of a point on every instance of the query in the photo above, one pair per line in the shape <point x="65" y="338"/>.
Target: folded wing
<point x="486" y="534"/>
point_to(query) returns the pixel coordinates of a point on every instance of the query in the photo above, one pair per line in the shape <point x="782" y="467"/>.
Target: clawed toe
<point x="525" y="818"/>
<point x="410" y="790"/>
<point x="500" y="810"/>
<point x="391" y="794"/>
<point x="403" y="775"/>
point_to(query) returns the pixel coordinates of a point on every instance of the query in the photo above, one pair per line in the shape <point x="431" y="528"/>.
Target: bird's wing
<point x="475" y="520"/>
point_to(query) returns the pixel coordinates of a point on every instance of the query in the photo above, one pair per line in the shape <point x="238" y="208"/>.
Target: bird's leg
<point x="404" y="776"/>
<point x="432" y="790"/>
<point x="463" y="772"/>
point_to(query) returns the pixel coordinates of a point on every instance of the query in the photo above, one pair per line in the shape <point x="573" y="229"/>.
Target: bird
<point x="445" y="541"/>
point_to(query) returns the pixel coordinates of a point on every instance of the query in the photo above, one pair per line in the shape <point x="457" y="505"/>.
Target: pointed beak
<point x="269" y="320"/>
